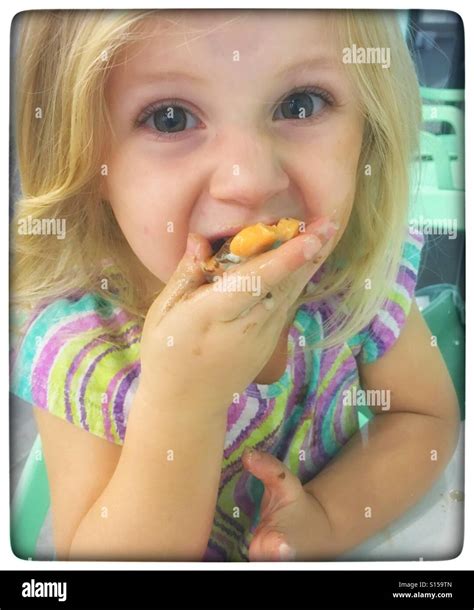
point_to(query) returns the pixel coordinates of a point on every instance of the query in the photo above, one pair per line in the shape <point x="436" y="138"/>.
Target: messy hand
<point x="293" y="524"/>
<point x="200" y="346"/>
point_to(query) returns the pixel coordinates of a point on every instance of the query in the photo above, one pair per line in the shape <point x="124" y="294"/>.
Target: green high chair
<point x="444" y="96"/>
<point x="443" y="114"/>
<point x="437" y="180"/>
<point x="30" y="504"/>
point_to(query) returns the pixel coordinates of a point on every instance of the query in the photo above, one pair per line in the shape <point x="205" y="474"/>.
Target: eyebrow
<point x="299" y="66"/>
<point x="171" y="75"/>
<point x="307" y="64"/>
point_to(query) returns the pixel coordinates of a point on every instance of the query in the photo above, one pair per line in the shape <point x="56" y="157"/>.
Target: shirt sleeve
<point x="380" y="334"/>
<point x="78" y="358"/>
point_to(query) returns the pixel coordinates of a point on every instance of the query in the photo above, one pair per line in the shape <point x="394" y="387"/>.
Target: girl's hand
<point x="293" y="525"/>
<point x="201" y="346"/>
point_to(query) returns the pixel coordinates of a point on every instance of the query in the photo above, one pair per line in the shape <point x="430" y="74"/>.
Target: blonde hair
<point x="62" y="66"/>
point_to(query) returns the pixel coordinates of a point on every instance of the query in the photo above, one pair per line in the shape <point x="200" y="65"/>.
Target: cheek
<point x="331" y="175"/>
<point x="150" y="207"/>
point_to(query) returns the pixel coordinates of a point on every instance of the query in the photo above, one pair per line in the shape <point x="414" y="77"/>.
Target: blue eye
<point x="168" y="118"/>
<point x="303" y="104"/>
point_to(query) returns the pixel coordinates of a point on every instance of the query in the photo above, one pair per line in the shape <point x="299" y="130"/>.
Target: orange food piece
<point x="287" y="228"/>
<point x="261" y="237"/>
<point x="253" y="240"/>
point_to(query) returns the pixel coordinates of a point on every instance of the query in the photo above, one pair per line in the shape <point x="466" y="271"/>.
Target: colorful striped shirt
<point x="79" y="359"/>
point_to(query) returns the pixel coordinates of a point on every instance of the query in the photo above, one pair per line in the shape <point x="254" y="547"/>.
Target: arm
<point x="157" y="508"/>
<point x="154" y="507"/>
<point x="408" y="445"/>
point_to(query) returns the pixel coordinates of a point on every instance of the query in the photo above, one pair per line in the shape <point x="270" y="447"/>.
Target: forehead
<point x="263" y="39"/>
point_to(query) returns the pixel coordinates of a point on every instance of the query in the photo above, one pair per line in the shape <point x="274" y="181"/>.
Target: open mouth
<point x="247" y="242"/>
<point x="217" y="244"/>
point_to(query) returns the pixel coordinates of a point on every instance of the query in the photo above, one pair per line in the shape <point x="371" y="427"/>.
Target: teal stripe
<point x="412" y="253"/>
<point x="328" y="434"/>
<point x="59" y="311"/>
<point x="21" y="379"/>
<point x="370" y="350"/>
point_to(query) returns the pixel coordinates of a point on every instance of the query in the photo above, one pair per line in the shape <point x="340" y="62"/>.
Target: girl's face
<point x="222" y="119"/>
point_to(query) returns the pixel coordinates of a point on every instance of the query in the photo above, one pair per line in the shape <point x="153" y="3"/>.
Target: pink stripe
<point x="44" y="364"/>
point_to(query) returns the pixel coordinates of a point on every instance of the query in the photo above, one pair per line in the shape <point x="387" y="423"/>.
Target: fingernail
<point x="311" y="245"/>
<point x="330" y="230"/>
<point x="326" y="228"/>
<point x="286" y="552"/>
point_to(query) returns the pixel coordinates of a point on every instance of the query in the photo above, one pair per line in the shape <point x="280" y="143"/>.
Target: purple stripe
<point x="298" y="378"/>
<point x="48" y="354"/>
<point x="242" y="497"/>
<point x="229" y="471"/>
<point x="235" y="411"/>
<point x="263" y="411"/>
<point x="119" y="403"/>
<point x="406" y="273"/>
<point x="93" y="366"/>
<point x="214" y="552"/>
<point x="110" y="393"/>
<point x="298" y="396"/>
<point x="325" y="400"/>
<point x="381" y="334"/>
<point x="230" y="521"/>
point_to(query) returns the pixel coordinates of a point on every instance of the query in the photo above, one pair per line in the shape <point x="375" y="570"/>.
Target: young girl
<point x="223" y="425"/>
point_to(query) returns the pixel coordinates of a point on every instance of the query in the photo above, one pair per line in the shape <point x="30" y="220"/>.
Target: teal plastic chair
<point x="437" y="180"/>
<point x="444" y="96"/>
<point x="434" y="152"/>
<point x="446" y="106"/>
<point x="447" y="115"/>
<point x="31" y="502"/>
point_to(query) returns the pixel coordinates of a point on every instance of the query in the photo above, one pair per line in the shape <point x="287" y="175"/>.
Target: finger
<point x="268" y="270"/>
<point x="275" y="475"/>
<point x="269" y="544"/>
<point x="187" y="277"/>
<point x="294" y="284"/>
<point x="278" y="303"/>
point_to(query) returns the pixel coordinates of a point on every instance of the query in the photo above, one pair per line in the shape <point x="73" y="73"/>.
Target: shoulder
<point x="380" y="334"/>
<point x="74" y="357"/>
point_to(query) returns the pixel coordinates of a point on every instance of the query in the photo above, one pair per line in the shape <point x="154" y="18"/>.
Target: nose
<point x="248" y="171"/>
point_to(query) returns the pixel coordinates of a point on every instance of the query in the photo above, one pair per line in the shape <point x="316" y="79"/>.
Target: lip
<point x="229" y="232"/>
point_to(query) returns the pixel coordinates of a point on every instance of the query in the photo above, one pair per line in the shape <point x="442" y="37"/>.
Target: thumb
<point x="186" y="278"/>
<point x="197" y="248"/>
<point x="189" y="274"/>
<point x="272" y="472"/>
